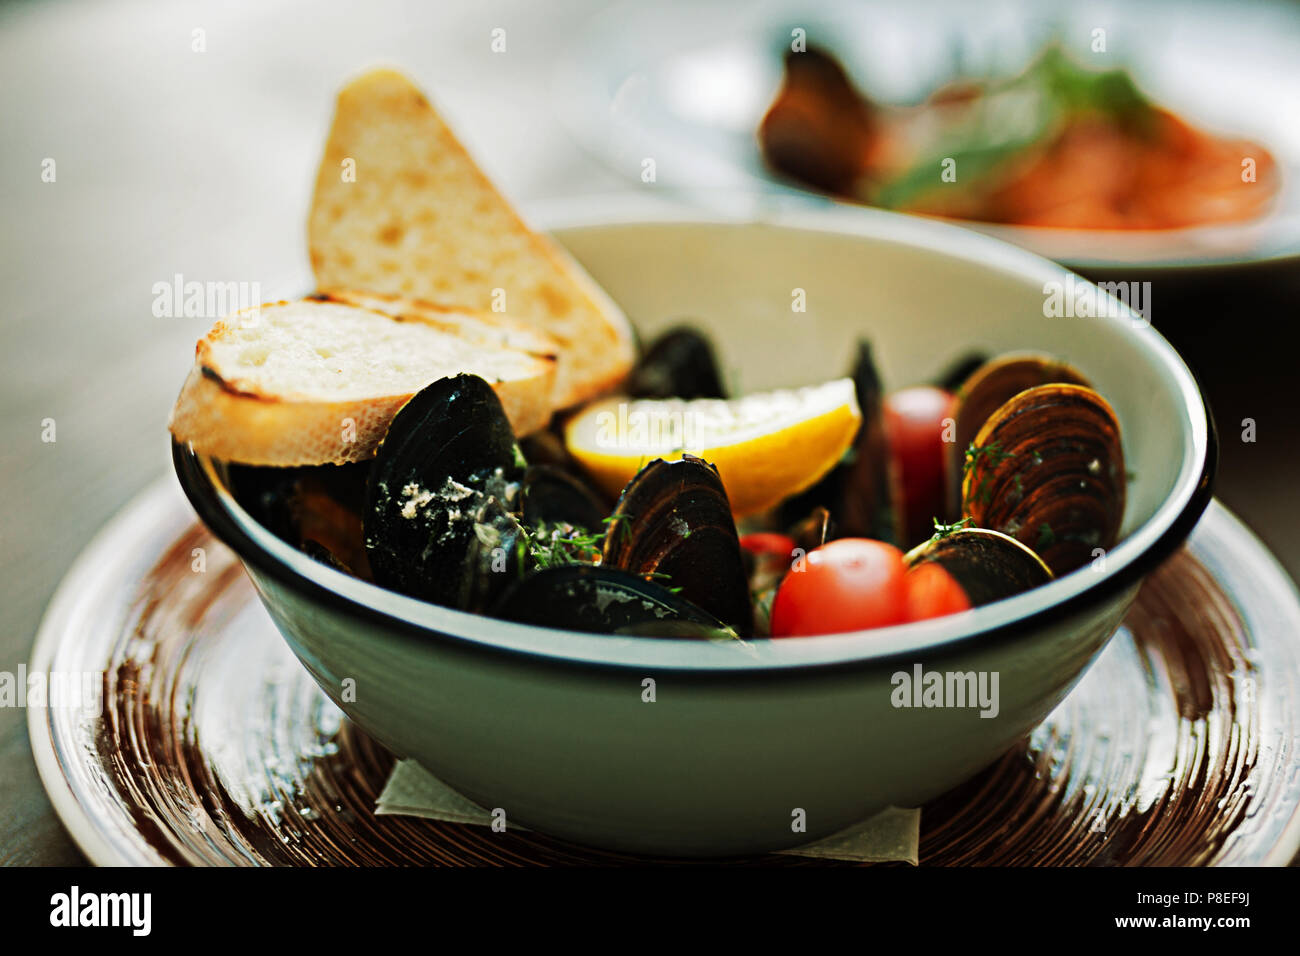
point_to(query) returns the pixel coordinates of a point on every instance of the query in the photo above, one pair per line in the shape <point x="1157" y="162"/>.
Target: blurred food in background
<point x="1058" y="145"/>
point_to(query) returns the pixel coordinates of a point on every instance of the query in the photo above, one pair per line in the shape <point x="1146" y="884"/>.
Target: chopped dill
<point x="991" y="455"/>
<point x="556" y="547"/>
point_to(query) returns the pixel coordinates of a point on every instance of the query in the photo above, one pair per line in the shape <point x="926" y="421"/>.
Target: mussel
<point x="546" y="447"/>
<point x="813" y="531"/>
<point x="453" y="516"/>
<point x="861" y="492"/>
<point x="447" y="470"/>
<point x="983" y="393"/>
<point x="604" y="600"/>
<point x="499" y="554"/>
<point x="315" y="508"/>
<point x="551" y="497"/>
<point x="988" y="565"/>
<point x="959" y="371"/>
<point x="329" y="518"/>
<point x="1047" y="468"/>
<point x="678" y="364"/>
<point x="269" y="495"/>
<point x="673" y="523"/>
<point x="870" y="495"/>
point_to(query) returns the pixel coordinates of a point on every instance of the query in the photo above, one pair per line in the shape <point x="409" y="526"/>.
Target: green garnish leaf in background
<point x="1014" y="115"/>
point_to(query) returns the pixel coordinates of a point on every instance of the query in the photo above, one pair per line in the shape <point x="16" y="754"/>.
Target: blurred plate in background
<point x="687" y="87"/>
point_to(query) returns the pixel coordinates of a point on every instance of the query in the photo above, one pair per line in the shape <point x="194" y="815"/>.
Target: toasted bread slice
<point x="422" y="221"/>
<point x="477" y="328"/>
<point x="313" y="382"/>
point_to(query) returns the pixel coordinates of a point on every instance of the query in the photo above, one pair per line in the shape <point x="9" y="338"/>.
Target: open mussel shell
<point x="601" y="600"/>
<point x="680" y="363"/>
<point x="868" y="507"/>
<point x="553" y="498"/>
<point x="862" y="491"/>
<point x="673" y="522"/>
<point x="316" y="508"/>
<point x="447" y="452"/>
<point x="1047" y="469"/>
<point x="988" y="565"/>
<point x="987" y="389"/>
<point x="813" y="531"/>
<point x="331" y="522"/>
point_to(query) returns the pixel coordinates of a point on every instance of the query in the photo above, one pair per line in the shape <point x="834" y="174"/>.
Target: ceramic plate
<point x="212" y="746"/>
<point x="687" y="87"/>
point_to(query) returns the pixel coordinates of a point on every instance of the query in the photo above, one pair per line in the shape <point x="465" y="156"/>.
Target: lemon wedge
<point x="766" y="446"/>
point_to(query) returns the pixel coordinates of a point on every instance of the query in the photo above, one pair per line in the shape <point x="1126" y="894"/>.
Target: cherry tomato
<point x="933" y="592"/>
<point x="914" y="423"/>
<point x="763" y="544"/>
<point x="772" y="555"/>
<point x="845" y="585"/>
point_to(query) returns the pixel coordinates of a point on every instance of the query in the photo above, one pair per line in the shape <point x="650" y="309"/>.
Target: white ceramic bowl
<point x="552" y="726"/>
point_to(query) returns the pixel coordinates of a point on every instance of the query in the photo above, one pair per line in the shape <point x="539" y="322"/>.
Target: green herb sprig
<point x="990" y="455"/>
<point x="942" y="530"/>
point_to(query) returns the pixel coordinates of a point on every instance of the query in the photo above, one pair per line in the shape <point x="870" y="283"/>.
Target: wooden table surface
<point x="170" y="161"/>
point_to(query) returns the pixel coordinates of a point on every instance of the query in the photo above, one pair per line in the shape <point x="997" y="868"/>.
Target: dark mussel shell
<point x="498" y="556"/>
<point x="315" y="508"/>
<point x="959" y="371"/>
<point x="860" y="492"/>
<point x="988" y="565"/>
<point x="448" y="451"/>
<point x="867" y="509"/>
<point x="673" y="521"/>
<point x="987" y="389"/>
<point x="678" y="364"/>
<point x="331" y="522"/>
<point x="601" y="600"/>
<point x="827" y="494"/>
<point x="268" y="495"/>
<point x="553" y="498"/>
<point x="813" y="531"/>
<point x="318" y="552"/>
<point x="1047" y="469"/>
<point x="546" y="447"/>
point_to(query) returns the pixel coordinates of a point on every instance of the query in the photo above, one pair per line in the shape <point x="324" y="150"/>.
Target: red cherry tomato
<point x="933" y="592"/>
<point x="914" y="423"/>
<point x="845" y="585"/>
<point x="763" y="544"/>
<point x="772" y="553"/>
